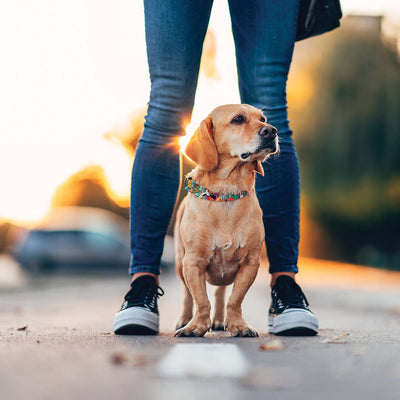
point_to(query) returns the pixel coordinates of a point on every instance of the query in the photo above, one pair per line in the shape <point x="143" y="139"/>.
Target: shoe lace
<point x="145" y="295"/>
<point x="291" y="295"/>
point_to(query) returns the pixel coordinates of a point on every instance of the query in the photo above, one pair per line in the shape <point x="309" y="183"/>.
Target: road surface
<point x="56" y="342"/>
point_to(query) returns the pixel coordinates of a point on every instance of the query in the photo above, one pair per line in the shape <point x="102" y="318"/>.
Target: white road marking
<point x="202" y="360"/>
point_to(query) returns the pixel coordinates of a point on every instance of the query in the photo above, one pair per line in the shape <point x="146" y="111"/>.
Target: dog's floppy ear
<point x="259" y="168"/>
<point x="201" y="148"/>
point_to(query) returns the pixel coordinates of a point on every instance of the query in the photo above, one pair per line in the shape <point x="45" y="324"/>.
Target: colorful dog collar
<point x="203" y="193"/>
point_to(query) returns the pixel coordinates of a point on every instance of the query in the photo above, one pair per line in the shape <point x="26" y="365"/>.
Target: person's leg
<point x="175" y="31"/>
<point x="264" y="33"/>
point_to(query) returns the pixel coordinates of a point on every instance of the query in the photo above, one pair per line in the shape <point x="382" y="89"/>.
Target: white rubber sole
<point x="136" y="321"/>
<point x="294" y="321"/>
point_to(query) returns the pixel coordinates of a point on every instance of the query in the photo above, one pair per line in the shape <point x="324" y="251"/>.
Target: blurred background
<point x="74" y="87"/>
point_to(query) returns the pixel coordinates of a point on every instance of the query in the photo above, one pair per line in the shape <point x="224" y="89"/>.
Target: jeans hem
<point x="152" y="269"/>
<point x="283" y="268"/>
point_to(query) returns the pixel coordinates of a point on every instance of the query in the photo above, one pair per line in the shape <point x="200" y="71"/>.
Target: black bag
<point x="317" y="17"/>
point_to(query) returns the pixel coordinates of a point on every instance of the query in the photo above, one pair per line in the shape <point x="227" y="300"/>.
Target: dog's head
<point x="236" y="131"/>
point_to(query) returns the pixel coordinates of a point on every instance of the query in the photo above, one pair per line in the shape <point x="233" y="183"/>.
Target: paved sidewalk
<point x="65" y="348"/>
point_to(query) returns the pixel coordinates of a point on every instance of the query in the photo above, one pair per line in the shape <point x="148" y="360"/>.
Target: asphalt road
<point x="56" y="342"/>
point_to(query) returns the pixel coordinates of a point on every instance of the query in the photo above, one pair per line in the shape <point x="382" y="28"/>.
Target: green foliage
<point x="350" y="153"/>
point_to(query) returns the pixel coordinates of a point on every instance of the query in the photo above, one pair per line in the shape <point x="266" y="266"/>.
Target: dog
<point x="219" y="230"/>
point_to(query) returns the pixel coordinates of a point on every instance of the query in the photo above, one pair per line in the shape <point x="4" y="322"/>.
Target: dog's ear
<point x="201" y="148"/>
<point x="259" y="168"/>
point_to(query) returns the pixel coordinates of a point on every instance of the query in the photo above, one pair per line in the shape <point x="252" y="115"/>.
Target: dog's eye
<point x="239" y="119"/>
<point x="262" y="119"/>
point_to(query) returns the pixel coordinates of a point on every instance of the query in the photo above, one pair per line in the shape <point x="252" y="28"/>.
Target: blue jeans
<point x="264" y="34"/>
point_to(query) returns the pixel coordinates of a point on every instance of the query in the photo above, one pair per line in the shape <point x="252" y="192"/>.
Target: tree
<point x="349" y="145"/>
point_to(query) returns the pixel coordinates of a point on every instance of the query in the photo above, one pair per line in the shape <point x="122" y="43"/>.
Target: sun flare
<point x="53" y="128"/>
<point x="184" y="140"/>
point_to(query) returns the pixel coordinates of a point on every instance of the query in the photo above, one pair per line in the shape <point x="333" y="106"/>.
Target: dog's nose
<point x="268" y="132"/>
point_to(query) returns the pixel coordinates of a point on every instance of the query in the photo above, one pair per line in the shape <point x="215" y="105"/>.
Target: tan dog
<point x="220" y="241"/>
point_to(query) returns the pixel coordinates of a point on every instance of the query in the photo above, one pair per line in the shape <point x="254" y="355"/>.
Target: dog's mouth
<point x="261" y="152"/>
<point x="265" y="146"/>
<point x="269" y="146"/>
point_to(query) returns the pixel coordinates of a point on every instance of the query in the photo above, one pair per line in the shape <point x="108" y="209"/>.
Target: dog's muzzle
<point x="268" y="136"/>
<point x="268" y="142"/>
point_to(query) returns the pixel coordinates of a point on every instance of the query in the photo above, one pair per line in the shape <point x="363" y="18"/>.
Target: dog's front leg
<point x="187" y="309"/>
<point x="219" y="311"/>
<point x="244" y="278"/>
<point x="194" y="274"/>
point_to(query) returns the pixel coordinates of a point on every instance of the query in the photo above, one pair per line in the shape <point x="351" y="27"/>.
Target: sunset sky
<point x="73" y="70"/>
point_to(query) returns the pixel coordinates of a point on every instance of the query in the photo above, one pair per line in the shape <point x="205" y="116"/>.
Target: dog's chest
<point x="225" y="262"/>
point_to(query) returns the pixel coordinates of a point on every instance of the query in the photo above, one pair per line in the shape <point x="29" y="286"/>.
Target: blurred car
<point x="75" y="237"/>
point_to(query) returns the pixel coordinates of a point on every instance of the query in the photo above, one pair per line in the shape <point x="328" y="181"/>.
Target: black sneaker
<point x="289" y="313"/>
<point x="139" y="312"/>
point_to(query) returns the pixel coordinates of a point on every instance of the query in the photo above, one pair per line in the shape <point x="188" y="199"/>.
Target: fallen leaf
<point x="118" y="358"/>
<point x="193" y="375"/>
<point x="359" y="351"/>
<point x="128" y="359"/>
<point x="23" y="328"/>
<point x="341" y="338"/>
<point x="274" y="378"/>
<point x="273" y="345"/>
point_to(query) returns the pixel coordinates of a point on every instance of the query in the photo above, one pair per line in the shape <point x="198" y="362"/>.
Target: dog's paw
<point x="182" y="322"/>
<point x="218" y="326"/>
<point x="193" y="330"/>
<point x="241" y="331"/>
